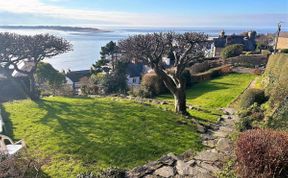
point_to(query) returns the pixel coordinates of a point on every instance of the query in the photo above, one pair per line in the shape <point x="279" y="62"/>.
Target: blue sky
<point x="208" y="13"/>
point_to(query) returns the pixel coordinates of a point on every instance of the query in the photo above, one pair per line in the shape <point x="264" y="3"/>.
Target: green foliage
<point x="109" y="50"/>
<point x="79" y="135"/>
<point x="244" y="124"/>
<point x="279" y="120"/>
<point x="231" y="51"/>
<point x="99" y="66"/>
<point x="228" y="170"/>
<point x="275" y="79"/>
<point x="116" y="82"/>
<point x="46" y="75"/>
<point x="251" y="96"/>
<point x="251" y="117"/>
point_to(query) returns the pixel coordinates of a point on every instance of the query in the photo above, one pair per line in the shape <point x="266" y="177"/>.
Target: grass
<point x="78" y="135"/>
<point x="210" y="96"/>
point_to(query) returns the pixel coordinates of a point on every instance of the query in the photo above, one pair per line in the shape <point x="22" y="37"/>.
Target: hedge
<point x="232" y="51"/>
<point x="212" y="73"/>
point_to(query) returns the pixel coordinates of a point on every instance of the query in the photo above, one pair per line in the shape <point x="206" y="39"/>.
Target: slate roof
<point x="248" y="44"/>
<point x="134" y="70"/>
<point x="75" y="76"/>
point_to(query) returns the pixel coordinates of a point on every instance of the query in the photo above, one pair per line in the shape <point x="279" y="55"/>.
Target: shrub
<point x="262" y="153"/>
<point x="251" y="96"/>
<point x="244" y="124"/>
<point x="231" y="51"/>
<point x="279" y="118"/>
<point x="88" y="86"/>
<point x="151" y="85"/>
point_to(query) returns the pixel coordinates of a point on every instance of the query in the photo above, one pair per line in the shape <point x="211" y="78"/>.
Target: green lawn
<point x="81" y="134"/>
<point x="211" y="95"/>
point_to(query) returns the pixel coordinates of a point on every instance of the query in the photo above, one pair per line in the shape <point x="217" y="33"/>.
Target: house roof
<point x="134" y="70"/>
<point x="222" y="41"/>
<point x="283" y="34"/>
<point x="75" y="76"/>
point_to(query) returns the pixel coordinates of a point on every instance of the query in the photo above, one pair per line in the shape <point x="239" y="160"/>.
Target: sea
<point x="87" y="45"/>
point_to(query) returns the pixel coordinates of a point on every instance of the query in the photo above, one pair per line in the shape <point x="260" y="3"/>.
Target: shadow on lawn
<point x="8" y="127"/>
<point x="125" y="137"/>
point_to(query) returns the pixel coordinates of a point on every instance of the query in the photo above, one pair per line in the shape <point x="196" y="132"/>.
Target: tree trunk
<point x="180" y="101"/>
<point x="33" y="93"/>
<point x="177" y="89"/>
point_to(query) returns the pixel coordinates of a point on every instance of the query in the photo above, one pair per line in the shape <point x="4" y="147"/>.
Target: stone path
<point x="206" y="164"/>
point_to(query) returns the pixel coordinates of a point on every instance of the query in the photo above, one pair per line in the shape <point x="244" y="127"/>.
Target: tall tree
<point x="187" y="48"/>
<point x="15" y="49"/>
<point x="108" y="53"/>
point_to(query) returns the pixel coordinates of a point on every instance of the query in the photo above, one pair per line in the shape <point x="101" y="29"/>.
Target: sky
<point x="150" y="13"/>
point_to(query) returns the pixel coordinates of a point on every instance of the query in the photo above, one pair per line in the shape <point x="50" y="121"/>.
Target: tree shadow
<point x="79" y="128"/>
<point x="8" y="125"/>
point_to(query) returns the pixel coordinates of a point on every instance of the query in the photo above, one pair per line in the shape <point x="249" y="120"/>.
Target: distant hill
<point x="59" y="28"/>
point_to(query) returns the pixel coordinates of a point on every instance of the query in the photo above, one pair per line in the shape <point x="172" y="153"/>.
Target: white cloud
<point x="38" y="9"/>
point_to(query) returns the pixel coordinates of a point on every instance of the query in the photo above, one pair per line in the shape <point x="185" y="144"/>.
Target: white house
<point x="23" y="66"/>
<point x="73" y="79"/>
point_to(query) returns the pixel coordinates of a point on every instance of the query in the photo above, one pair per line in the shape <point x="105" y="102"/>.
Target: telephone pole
<point x="277" y="36"/>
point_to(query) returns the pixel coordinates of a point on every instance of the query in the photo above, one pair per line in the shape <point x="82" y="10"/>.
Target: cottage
<point x="23" y="66"/>
<point x="73" y="79"/>
<point x="248" y="40"/>
<point x="134" y="72"/>
<point x="282" y="41"/>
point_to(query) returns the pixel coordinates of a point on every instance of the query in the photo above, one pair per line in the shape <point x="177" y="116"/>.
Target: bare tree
<point x="187" y="48"/>
<point x="15" y="49"/>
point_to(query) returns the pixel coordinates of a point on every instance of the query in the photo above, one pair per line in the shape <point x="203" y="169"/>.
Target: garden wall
<point x="250" y="61"/>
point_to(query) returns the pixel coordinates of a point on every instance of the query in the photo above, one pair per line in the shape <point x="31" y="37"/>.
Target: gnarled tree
<point x="187" y="48"/>
<point x="16" y="49"/>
